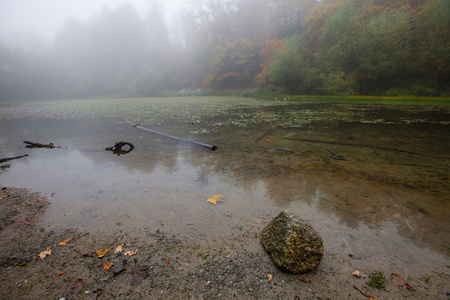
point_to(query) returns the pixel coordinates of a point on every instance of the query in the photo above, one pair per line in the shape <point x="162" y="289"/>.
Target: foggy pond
<point x="372" y="178"/>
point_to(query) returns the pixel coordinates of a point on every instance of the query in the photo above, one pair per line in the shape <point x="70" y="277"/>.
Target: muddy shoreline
<point x="166" y="266"/>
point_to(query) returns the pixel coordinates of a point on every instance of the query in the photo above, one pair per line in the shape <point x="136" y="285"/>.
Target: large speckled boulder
<point x="294" y="245"/>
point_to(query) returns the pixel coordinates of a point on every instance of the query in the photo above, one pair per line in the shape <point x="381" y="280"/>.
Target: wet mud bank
<point x="167" y="266"/>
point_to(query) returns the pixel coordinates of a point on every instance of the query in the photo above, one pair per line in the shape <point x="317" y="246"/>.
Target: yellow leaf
<point x="216" y="198"/>
<point x="107" y="266"/>
<point x="130" y="253"/>
<point x="65" y="241"/>
<point x="44" y="253"/>
<point x="119" y="248"/>
<point x="102" y="252"/>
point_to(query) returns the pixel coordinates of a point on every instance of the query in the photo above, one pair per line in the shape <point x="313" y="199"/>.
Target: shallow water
<point x="372" y="179"/>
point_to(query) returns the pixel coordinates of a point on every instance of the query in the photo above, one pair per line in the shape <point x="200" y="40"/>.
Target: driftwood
<point x="117" y="148"/>
<point x="212" y="147"/>
<point x="38" y="145"/>
<point x="11" y="158"/>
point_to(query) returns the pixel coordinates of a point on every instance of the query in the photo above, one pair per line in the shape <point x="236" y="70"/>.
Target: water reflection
<point x="386" y="185"/>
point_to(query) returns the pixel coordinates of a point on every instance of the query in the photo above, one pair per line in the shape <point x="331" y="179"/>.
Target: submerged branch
<point x="358" y="145"/>
<point x="11" y="158"/>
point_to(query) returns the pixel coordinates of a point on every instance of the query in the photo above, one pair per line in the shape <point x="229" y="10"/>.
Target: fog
<point x="139" y="48"/>
<point x="25" y="22"/>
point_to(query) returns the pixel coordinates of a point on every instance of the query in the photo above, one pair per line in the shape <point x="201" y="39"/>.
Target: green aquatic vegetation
<point x="6" y="166"/>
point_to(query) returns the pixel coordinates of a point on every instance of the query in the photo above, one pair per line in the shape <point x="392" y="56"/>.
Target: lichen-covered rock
<point x="294" y="245"/>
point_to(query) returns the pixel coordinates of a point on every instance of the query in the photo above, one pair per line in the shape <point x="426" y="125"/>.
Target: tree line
<point x="333" y="47"/>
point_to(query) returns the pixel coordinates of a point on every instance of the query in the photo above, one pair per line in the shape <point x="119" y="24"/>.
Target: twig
<point x="361" y="292"/>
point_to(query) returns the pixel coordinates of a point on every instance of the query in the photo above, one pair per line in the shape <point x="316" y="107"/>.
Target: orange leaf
<point x="38" y="199"/>
<point x="107" y="266"/>
<point x="396" y="279"/>
<point x="65" y="241"/>
<point x="168" y="261"/>
<point x="44" y="253"/>
<point x="62" y="273"/>
<point x="130" y="253"/>
<point x="305" y="279"/>
<point x="102" y="252"/>
<point x="269" y="277"/>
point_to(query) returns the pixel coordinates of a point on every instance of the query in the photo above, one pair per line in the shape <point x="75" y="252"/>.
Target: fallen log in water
<point x="39" y="145"/>
<point x="212" y="147"/>
<point x="11" y="158"/>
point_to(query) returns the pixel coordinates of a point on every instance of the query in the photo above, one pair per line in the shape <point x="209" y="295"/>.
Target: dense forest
<point x="339" y="47"/>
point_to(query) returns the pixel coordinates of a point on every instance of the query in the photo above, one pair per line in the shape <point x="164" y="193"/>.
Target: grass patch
<point x="377" y="280"/>
<point x="376" y="99"/>
<point x="6" y="166"/>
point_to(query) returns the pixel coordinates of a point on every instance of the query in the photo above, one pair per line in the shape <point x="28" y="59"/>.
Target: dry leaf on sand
<point x="396" y="279"/>
<point x="44" y="253"/>
<point x="101" y="253"/>
<point x="358" y="274"/>
<point x="107" y="266"/>
<point x="130" y="253"/>
<point x="65" y="241"/>
<point x="119" y="248"/>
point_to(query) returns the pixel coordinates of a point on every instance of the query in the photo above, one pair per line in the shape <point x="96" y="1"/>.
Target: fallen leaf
<point x="358" y="274"/>
<point x="139" y="272"/>
<point x="78" y="288"/>
<point x="146" y="190"/>
<point x="39" y="199"/>
<point x="396" y="279"/>
<point x="107" y="266"/>
<point x="44" y="253"/>
<point x="94" y="216"/>
<point x="28" y="204"/>
<point x="130" y="253"/>
<point x="168" y="261"/>
<point x="65" y="241"/>
<point x="269" y="277"/>
<point x="354" y="256"/>
<point x="305" y="279"/>
<point x="216" y="198"/>
<point x="119" y="248"/>
<point x="373" y="298"/>
<point x="62" y="273"/>
<point x="430" y="230"/>
<point x="101" y="253"/>
<point x="30" y="222"/>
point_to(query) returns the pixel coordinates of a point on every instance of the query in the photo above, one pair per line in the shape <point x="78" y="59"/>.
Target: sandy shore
<point x="166" y="266"/>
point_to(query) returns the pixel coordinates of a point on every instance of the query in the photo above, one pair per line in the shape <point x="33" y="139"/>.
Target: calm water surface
<point x="373" y="180"/>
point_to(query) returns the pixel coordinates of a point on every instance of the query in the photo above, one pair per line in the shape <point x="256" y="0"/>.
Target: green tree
<point x="292" y="68"/>
<point x="235" y="65"/>
<point x="432" y="50"/>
